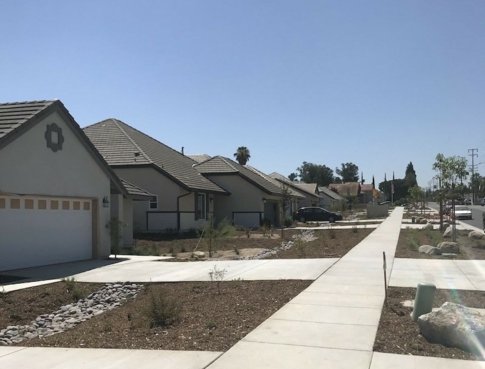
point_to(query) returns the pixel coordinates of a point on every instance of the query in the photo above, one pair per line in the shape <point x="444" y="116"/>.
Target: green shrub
<point x="73" y="288"/>
<point x="161" y="310"/>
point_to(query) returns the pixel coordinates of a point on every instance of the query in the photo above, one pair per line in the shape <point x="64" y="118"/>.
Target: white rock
<point x="456" y="326"/>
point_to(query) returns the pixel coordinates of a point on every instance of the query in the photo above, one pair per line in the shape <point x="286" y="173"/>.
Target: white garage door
<point x="41" y="231"/>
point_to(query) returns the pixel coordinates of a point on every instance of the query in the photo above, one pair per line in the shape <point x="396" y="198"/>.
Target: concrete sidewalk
<point x="333" y="323"/>
<point x="151" y="269"/>
<point x="78" y="358"/>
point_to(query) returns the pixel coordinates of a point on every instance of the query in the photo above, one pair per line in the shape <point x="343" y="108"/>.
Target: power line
<point x="473" y="155"/>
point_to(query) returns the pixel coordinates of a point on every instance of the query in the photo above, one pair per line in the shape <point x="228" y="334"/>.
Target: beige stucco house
<point x="253" y="199"/>
<point x="54" y="188"/>
<point x="183" y="199"/>
<point x="309" y="191"/>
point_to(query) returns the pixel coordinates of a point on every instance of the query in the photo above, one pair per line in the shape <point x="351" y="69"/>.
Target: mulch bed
<point x="210" y="318"/>
<point x="399" y="334"/>
<point x="331" y="243"/>
<point x="22" y="306"/>
<point x="411" y="239"/>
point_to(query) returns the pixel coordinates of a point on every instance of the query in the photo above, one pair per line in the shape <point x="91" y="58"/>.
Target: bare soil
<point x="207" y="316"/>
<point x="411" y="239"/>
<point x="330" y="243"/>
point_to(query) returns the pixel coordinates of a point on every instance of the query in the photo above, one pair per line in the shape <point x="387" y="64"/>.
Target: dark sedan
<point x="316" y="214"/>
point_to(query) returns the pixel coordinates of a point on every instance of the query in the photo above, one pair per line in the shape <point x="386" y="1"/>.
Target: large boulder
<point x="449" y="247"/>
<point x="429" y="250"/>
<point x="455" y="325"/>
<point x="447" y="232"/>
<point x="477" y="235"/>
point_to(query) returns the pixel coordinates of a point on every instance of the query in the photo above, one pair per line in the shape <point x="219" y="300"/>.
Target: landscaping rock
<point x="428" y="226"/>
<point x="422" y="221"/>
<point x="477" y="235"/>
<point x="198" y="254"/>
<point x="449" y="255"/>
<point x="447" y="232"/>
<point x="68" y="316"/>
<point x="449" y="247"/>
<point x="429" y="250"/>
<point x="456" y="326"/>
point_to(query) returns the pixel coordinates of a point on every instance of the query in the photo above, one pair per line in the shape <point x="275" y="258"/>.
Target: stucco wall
<point x="28" y="166"/>
<point x="245" y="197"/>
<point x="167" y="191"/>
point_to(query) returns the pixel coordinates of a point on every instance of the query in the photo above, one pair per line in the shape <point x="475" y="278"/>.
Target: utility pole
<point x="473" y="155"/>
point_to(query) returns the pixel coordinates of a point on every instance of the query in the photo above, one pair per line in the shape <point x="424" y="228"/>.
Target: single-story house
<point x="253" y="199"/>
<point x="349" y="190"/>
<point x="54" y="188"/>
<point x="330" y="199"/>
<point x="309" y="191"/>
<point x="182" y="197"/>
<point x="291" y="196"/>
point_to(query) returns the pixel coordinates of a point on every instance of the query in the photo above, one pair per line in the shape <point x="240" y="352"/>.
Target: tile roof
<point x="13" y="115"/>
<point x="291" y="191"/>
<point x="308" y="187"/>
<point x="330" y="193"/>
<point x="199" y="158"/>
<point x="223" y="165"/>
<point x="123" y="145"/>
<point x="17" y="117"/>
<point x="135" y="191"/>
<point x="299" y="186"/>
<point x="346" y="189"/>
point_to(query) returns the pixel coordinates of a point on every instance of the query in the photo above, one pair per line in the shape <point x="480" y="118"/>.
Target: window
<point x="153" y="202"/>
<point x="201" y="206"/>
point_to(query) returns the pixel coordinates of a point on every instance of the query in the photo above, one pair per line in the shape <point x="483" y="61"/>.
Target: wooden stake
<point x="384" y="264"/>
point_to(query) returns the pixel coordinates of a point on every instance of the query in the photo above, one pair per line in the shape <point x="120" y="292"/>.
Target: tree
<point x="293" y="176"/>
<point x="349" y="172"/>
<point x="315" y="173"/>
<point x="242" y="155"/>
<point x="410" y="176"/>
<point x="450" y="171"/>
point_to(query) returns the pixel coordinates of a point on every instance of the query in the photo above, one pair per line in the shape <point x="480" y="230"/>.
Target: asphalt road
<point x="477" y="214"/>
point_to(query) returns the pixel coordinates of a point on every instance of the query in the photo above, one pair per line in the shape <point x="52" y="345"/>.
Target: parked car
<point x="482" y="201"/>
<point x="467" y="202"/>
<point x="316" y="214"/>
<point x="463" y="212"/>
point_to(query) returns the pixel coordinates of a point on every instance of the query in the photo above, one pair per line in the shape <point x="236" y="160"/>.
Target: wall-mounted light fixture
<point x="105" y="202"/>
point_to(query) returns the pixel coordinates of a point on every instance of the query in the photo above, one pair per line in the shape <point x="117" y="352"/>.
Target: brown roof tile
<point x="13" y="115"/>
<point x="123" y="145"/>
<point x="223" y="165"/>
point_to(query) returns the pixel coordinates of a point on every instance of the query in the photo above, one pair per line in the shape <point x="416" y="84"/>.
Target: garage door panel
<point x="41" y="236"/>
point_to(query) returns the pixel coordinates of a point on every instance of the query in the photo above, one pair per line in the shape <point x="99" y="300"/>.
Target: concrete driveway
<point x="155" y="269"/>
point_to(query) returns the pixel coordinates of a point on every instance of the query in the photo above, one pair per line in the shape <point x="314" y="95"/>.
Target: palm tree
<point x="242" y="155"/>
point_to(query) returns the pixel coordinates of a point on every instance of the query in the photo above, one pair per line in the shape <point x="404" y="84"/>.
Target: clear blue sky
<point x="376" y="83"/>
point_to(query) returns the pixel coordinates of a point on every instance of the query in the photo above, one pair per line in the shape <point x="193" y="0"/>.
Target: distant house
<point x="182" y="197"/>
<point x="309" y="191"/>
<point x="291" y="196"/>
<point x="330" y="199"/>
<point x="253" y="198"/>
<point x="54" y="188"/>
<point x="366" y="193"/>
<point x="350" y="190"/>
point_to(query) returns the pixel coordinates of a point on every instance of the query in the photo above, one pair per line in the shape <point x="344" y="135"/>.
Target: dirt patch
<point x="399" y="334"/>
<point x="411" y="239"/>
<point x="22" y="306"/>
<point x="328" y="243"/>
<point x="208" y="318"/>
